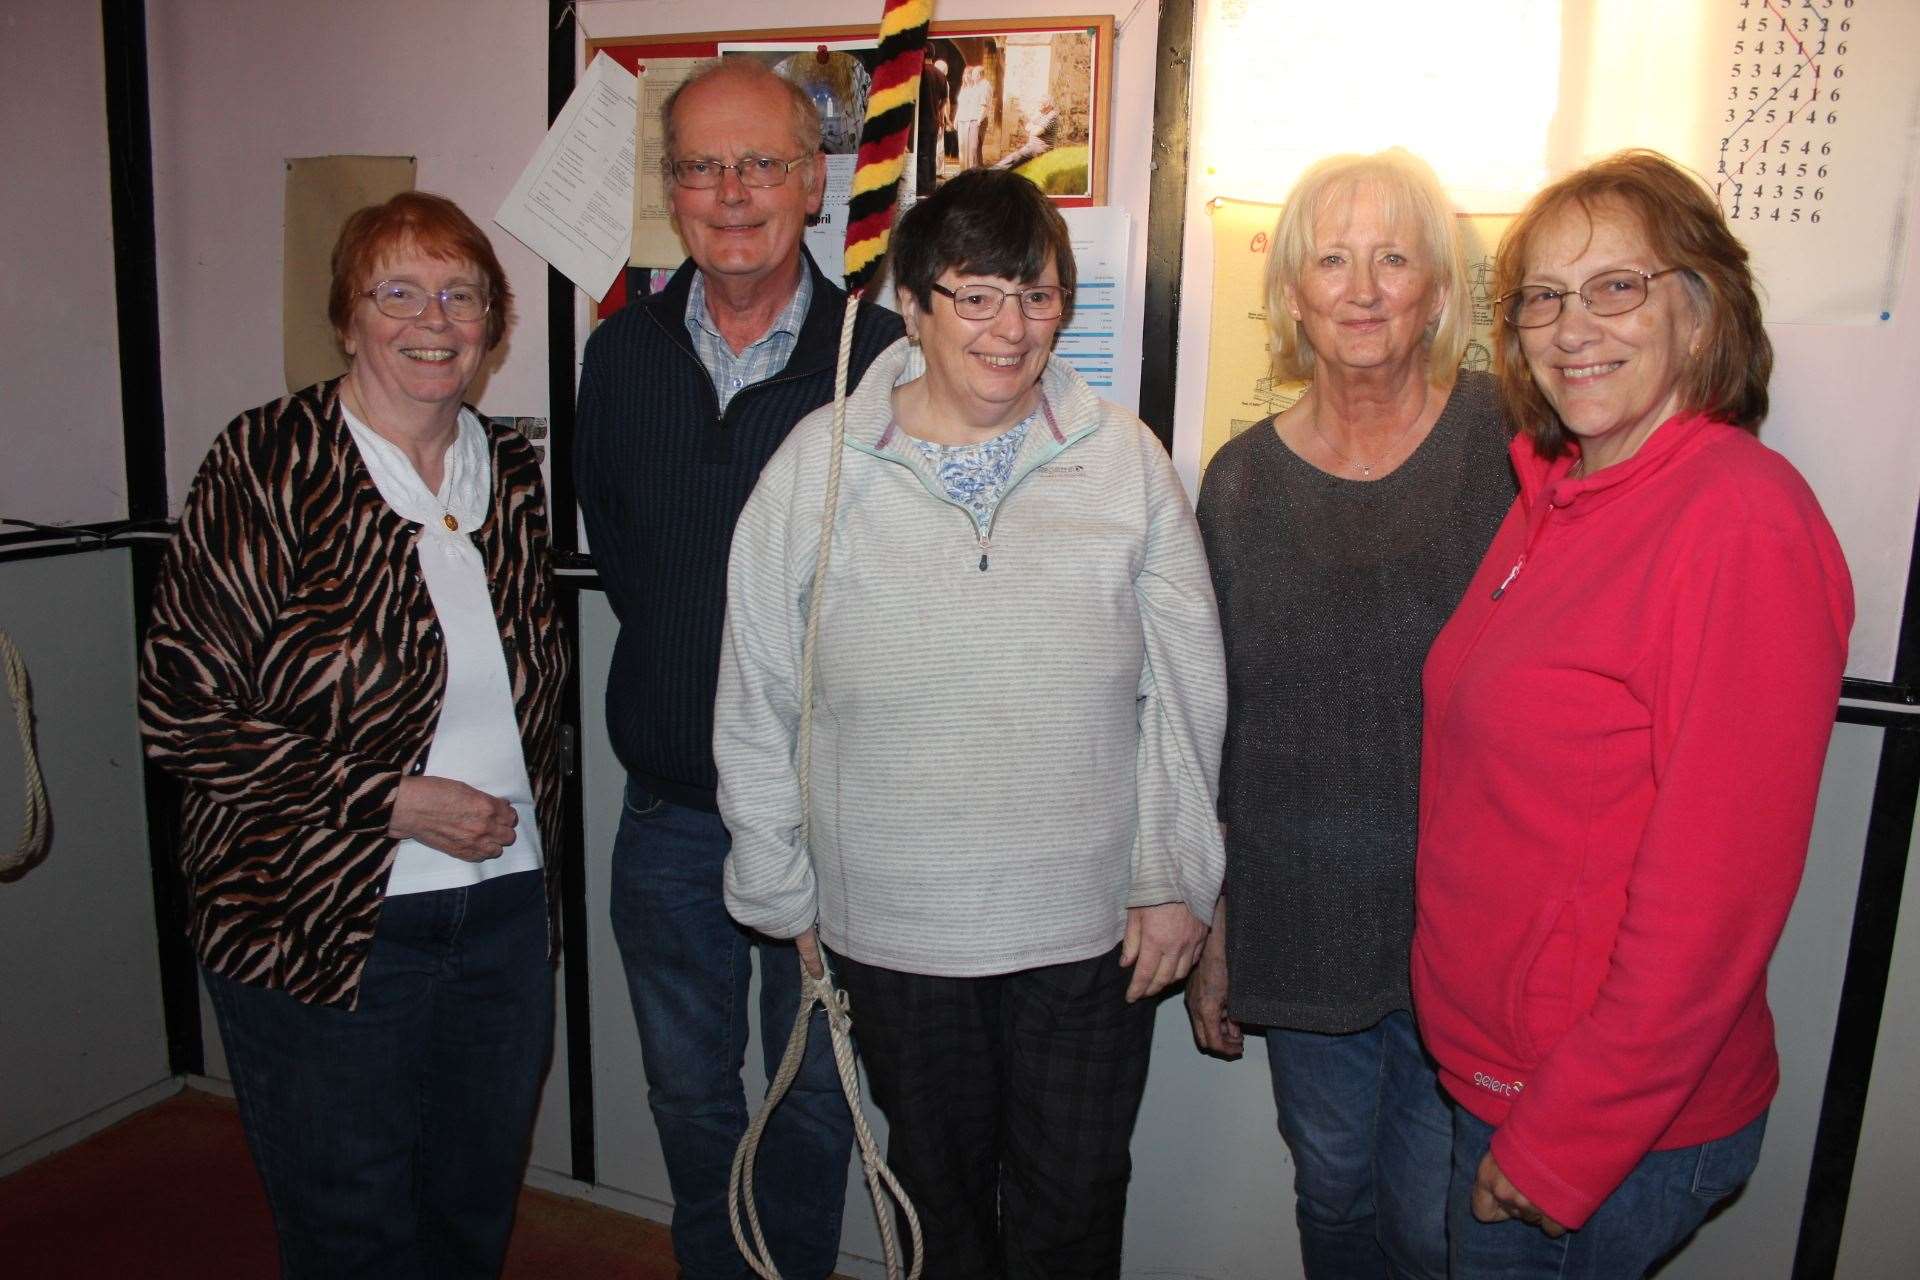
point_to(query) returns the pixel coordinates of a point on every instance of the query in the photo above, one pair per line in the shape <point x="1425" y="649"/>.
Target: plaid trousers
<point x="1010" y="1103"/>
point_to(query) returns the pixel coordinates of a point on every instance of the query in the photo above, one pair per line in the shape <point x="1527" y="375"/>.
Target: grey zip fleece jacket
<point x="1004" y="759"/>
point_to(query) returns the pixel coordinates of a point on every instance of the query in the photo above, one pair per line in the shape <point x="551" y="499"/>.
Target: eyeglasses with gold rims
<point x="1611" y="293"/>
<point x="983" y="301"/>
<point x="405" y="300"/>
<point x="753" y="171"/>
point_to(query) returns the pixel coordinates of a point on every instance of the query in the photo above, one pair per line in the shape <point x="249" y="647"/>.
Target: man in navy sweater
<point x="683" y="398"/>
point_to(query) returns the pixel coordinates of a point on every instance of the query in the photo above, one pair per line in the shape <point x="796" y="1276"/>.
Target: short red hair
<point x="421" y="220"/>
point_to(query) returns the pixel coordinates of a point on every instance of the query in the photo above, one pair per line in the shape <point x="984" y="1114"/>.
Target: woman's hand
<point x="1496" y="1200"/>
<point x="1161" y="945"/>
<point x="452" y="817"/>
<point x="1213" y="1031"/>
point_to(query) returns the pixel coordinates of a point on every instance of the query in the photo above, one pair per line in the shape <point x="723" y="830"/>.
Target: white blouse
<point x="477" y="739"/>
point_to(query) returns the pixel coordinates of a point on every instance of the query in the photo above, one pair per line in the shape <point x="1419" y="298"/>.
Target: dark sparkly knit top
<point x="1331" y="591"/>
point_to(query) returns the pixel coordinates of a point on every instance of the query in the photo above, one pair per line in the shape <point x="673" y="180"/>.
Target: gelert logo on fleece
<point x="1071" y="470"/>
<point x="1505" y="1088"/>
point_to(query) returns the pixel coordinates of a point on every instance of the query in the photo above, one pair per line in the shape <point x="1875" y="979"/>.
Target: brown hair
<point x="1681" y="223"/>
<point x="421" y="220"/>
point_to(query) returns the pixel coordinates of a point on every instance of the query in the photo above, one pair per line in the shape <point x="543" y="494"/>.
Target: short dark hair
<point x="1682" y="224"/>
<point x="435" y="226"/>
<point x="988" y="222"/>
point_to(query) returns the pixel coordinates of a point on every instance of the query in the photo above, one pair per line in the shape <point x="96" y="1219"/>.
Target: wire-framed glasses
<point x="753" y="171"/>
<point x="1611" y="293"/>
<point x="983" y="301"/>
<point x="405" y="300"/>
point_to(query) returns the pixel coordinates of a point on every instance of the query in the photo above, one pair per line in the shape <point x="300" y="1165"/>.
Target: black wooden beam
<point x="137" y="307"/>
<point x="1876" y="919"/>
<point x="562" y="509"/>
<point x="1166" y="217"/>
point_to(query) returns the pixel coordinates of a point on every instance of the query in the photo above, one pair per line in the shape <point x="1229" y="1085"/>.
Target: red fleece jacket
<point x="1626" y="721"/>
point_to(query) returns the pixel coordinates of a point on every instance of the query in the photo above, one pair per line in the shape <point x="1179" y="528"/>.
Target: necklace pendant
<point x="1365" y="471"/>
<point x="453" y="526"/>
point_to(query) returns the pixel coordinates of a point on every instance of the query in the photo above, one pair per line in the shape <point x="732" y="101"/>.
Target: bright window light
<point x="1472" y="89"/>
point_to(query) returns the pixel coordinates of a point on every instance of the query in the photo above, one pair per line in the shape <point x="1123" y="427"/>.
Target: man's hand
<point x="1213" y="1031"/>
<point x="1161" y="945"/>
<point x="1496" y="1200"/>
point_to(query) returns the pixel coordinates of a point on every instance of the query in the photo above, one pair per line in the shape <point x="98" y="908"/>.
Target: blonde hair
<point x="1404" y="184"/>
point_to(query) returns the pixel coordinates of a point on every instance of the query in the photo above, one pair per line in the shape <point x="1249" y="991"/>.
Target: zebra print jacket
<point x="292" y="676"/>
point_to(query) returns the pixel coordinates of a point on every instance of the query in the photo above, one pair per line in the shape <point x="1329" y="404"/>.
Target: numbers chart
<point x="1810" y="118"/>
<point x="1786" y="90"/>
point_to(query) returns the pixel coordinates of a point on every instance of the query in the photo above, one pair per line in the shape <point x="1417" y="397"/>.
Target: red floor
<point x="171" y="1193"/>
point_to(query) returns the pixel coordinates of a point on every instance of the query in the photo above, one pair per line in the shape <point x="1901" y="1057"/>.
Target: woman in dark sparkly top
<point x="1341" y="533"/>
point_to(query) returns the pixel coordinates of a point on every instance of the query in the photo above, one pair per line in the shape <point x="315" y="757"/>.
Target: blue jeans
<point x="687" y="968"/>
<point x="1659" y="1206"/>
<point x="392" y="1137"/>
<point x="1370" y="1135"/>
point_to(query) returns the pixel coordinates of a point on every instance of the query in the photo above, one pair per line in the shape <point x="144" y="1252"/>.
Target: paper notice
<point x="321" y="192"/>
<point x="574" y="202"/>
<point x="1091" y="342"/>
<point x="655" y="242"/>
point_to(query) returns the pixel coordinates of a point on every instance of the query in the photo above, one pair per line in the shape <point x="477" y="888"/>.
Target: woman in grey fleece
<point x="1018" y="710"/>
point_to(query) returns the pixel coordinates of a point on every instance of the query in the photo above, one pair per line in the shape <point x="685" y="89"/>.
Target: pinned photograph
<point x="1030" y="101"/>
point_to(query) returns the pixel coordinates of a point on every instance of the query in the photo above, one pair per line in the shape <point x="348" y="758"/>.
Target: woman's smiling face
<point x="1612" y="379"/>
<point x="428" y="360"/>
<point x="984" y="370"/>
<point x="1367" y="293"/>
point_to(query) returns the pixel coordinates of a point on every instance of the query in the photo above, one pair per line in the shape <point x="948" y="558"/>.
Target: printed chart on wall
<point x="1241" y="388"/>
<point x="1812" y="145"/>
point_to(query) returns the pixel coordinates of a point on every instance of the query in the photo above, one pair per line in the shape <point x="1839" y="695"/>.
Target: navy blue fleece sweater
<point x="662" y="476"/>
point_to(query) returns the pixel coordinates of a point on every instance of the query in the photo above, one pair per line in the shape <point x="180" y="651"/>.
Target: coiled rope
<point x="36" y="827"/>
<point x="882" y="1186"/>
<point x="891" y="105"/>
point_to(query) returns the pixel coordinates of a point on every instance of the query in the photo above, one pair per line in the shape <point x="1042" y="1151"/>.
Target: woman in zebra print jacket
<point x="354" y="669"/>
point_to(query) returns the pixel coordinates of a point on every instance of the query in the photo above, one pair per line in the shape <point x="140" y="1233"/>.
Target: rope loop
<point x="36" y="827"/>
<point x="882" y="1186"/>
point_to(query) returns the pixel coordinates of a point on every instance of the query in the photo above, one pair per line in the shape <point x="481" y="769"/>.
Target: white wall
<point x="82" y="1038"/>
<point x="81" y="1032"/>
<point x="239" y="86"/>
<point x="1883" y="1232"/>
<point x="61" y="459"/>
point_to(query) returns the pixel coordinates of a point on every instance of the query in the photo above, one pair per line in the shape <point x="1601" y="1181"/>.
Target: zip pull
<point x="1512" y="573"/>
<point x="986" y="545"/>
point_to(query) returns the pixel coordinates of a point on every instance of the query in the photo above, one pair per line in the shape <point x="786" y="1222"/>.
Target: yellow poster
<point x="1241" y="388"/>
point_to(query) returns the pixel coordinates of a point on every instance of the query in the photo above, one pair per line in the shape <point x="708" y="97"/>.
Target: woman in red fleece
<point x="1626" y="720"/>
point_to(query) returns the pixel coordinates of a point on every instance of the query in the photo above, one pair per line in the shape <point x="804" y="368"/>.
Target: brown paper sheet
<point x="321" y="192"/>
